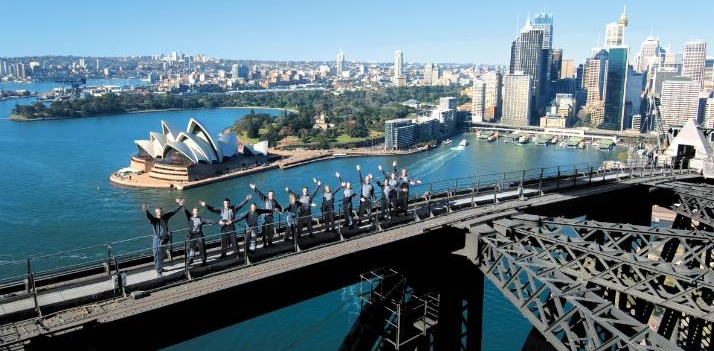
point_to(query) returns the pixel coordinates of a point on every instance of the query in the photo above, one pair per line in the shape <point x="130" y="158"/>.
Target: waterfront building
<point x="516" y="99"/>
<point x="399" y="134"/>
<point x="478" y="101"/>
<point x="493" y="84"/>
<point x="693" y="61"/>
<point x="615" y="87"/>
<point x="527" y="57"/>
<point x="177" y="155"/>
<point x="679" y="101"/>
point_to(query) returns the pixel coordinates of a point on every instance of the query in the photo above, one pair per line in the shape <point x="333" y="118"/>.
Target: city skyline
<point x="317" y="30"/>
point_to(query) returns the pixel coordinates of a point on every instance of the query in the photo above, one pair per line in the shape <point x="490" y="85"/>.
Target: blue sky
<point x="438" y="31"/>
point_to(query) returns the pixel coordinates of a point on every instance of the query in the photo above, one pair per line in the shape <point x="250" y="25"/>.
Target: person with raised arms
<point x="228" y="230"/>
<point x="328" y="206"/>
<point x="305" y="213"/>
<point x="269" y="203"/>
<point x="251" y="220"/>
<point x="347" y="194"/>
<point x="366" y="195"/>
<point x="161" y="240"/>
<point x="195" y="234"/>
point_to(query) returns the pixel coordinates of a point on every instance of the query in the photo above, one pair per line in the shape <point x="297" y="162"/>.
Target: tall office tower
<point x="492" y="101"/>
<point x="428" y="73"/>
<point x="567" y="69"/>
<point x="21" y="70"/>
<point x="649" y="55"/>
<point x="527" y="57"/>
<point x="679" y="101"/>
<point x="544" y="22"/>
<point x="3" y="68"/>
<point x="709" y="70"/>
<point x="516" y="99"/>
<point x="615" y="87"/>
<point x="235" y="71"/>
<point x="693" y="61"/>
<point x="340" y="63"/>
<point x="633" y="96"/>
<point x="97" y="64"/>
<point x="709" y="114"/>
<point x="615" y="32"/>
<point x="672" y="59"/>
<point x="478" y="101"/>
<point x="594" y="78"/>
<point x="556" y="64"/>
<point x="398" y="63"/>
<point x="660" y="75"/>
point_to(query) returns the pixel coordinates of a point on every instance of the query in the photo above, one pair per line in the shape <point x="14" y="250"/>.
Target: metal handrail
<point x="467" y="187"/>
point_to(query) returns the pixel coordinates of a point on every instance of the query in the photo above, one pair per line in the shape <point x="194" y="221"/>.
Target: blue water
<point x="42" y="87"/>
<point x="56" y="195"/>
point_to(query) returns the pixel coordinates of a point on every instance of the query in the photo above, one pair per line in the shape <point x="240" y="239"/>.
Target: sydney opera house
<point x="192" y="154"/>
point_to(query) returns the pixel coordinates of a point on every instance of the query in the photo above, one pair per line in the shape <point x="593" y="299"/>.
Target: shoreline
<point x="21" y="118"/>
<point x="290" y="160"/>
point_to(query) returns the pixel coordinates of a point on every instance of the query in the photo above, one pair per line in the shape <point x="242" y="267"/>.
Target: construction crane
<point x="75" y="83"/>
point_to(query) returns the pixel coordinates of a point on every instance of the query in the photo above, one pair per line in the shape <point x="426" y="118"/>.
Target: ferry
<point x="484" y="135"/>
<point x="575" y="142"/>
<point x="463" y="143"/>
<point x="605" y="144"/>
<point x="524" y="139"/>
<point x="544" y="139"/>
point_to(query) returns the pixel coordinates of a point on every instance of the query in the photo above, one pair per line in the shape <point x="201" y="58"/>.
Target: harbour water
<point x="56" y="196"/>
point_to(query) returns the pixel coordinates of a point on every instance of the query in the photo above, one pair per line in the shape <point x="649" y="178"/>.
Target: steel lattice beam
<point x="623" y="259"/>
<point x="696" y="201"/>
<point x="563" y="309"/>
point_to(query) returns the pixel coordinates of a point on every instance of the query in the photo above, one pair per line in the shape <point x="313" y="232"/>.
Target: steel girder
<point x="626" y="260"/>
<point x="568" y="313"/>
<point x="696" y="201"/>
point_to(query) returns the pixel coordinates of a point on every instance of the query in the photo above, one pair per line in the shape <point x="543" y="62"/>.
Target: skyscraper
<point x="650" y="54"/>
<point x="493" y="82"/>
<point x="544" y="22"/>
<point x="709" y="114"/>
<point x="234" y="71"/>
<point x="478" y="101"/>
<point x="527" y="57"/>
<point x="695" y="54"/>
<point x="556" y="64"/>
<point x="615" y="32"/>
<point x="567" y="68"/>
<point x="428" y="73"/>
<point x="398" y="63"/>
<point x="340" y="63"/>
<point x="679" y="101"/>
<point x="516" y="99"/>
<point x="615" y="87"/>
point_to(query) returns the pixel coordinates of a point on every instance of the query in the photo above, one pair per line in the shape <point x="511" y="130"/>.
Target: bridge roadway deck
<point x="118" y="308"/>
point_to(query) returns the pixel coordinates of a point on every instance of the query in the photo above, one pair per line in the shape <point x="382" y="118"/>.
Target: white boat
<point x="447" y="141"/>
<point x="463" y="142"/>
